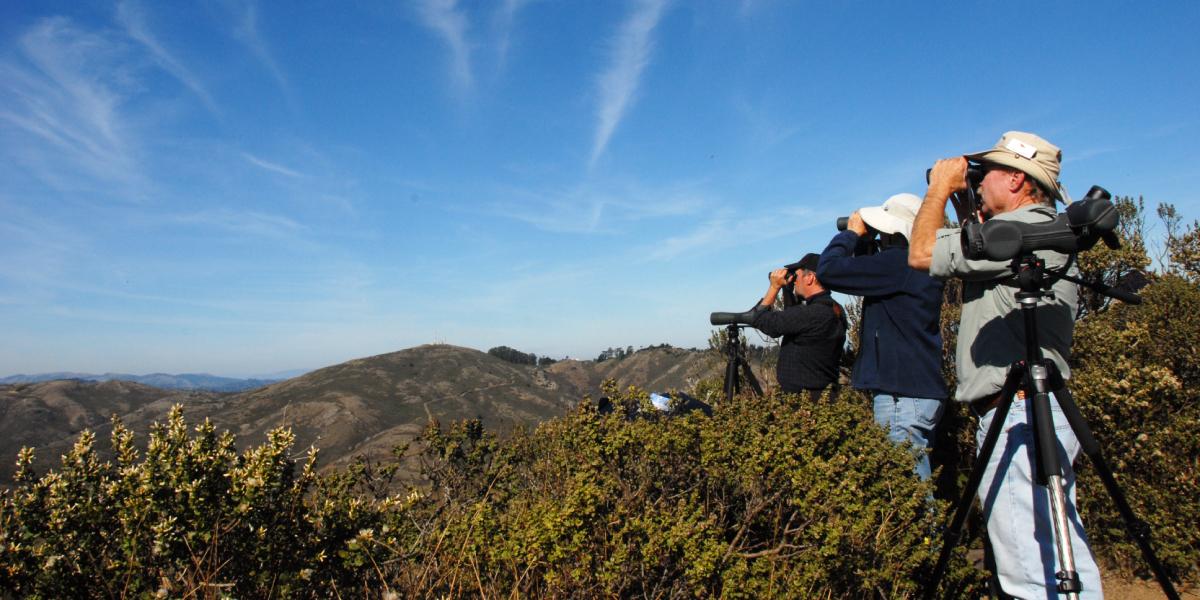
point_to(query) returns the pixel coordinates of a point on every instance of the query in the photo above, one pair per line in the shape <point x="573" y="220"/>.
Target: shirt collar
<point x="817" y="296"/>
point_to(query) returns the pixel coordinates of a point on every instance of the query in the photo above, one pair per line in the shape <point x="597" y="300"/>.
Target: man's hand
<point x="948" y="176"/>
<point x="856" y="224"/>
<point x="955" y="174"/>
<point x="779" y="278"/>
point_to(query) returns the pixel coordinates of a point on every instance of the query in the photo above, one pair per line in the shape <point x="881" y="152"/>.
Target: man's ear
<point x="1016" y="180"/>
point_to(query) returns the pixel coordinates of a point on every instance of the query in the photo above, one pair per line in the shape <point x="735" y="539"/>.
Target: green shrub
<point x="190" y="518"/>
<point x="770" y="497"/>
<point x="1137" y="382"/>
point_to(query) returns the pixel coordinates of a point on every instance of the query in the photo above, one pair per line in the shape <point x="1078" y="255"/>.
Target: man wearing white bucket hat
<point x="900" y="343"/>
<point x="1020" y="183"/>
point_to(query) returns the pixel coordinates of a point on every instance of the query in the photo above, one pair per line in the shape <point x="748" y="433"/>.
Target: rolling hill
<point x="167" y="381"/>
<point x="360" y="407"/>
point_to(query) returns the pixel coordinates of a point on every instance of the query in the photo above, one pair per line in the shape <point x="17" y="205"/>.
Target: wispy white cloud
<point x="246" y="31"/>
<point x="1088" y="153"/>
<point x="312" y="290"/>
<point x="592" y="208"/>
<point x="726" y="230"/>
<point x="447" y="19"/>
<point x="618" y="83"/>
<point x="506" y="15"/>
<point x="576" y="215"/>
<point x="249" y="223"/>
<point x="1171" y="128"/>
<point x="270" y="166"/>
<point x="519" y="289"/>
<point x="746" y="7"/>
<point x="61" y="96"/>
<point x="132" y="17"/>
<point x="37" y="248"/>
<point x="765" y="129"/>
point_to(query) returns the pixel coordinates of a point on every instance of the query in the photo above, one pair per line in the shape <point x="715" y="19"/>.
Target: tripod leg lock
<point x="1068" y="582"/>
<point x="1140" y="530"/>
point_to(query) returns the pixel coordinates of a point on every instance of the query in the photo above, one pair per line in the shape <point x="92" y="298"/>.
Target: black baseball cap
<point x="808" y="263"/>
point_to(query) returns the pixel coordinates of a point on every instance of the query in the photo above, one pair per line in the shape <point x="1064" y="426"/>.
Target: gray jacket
<point x="991" y="333"/>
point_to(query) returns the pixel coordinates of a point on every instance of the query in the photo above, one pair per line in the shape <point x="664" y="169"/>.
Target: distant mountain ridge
<point x="166" y="381"/>
<point x="362" y="407"/>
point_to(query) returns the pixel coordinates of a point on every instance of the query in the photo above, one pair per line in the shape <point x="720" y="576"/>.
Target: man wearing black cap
<point x="813" y="328"/>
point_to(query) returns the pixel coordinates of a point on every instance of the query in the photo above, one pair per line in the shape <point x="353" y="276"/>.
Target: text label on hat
<point x="1021" y="148"/>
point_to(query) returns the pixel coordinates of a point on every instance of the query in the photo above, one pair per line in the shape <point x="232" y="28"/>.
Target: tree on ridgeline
<point x="513" y="356"/>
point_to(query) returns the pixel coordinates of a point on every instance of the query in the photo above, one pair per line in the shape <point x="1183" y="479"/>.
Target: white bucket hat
<point x="895" y="216"/>
<point x="1030" y="154"/>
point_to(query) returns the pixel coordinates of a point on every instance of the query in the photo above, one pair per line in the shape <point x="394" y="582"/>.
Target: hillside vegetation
<point x="49" y="416"/>
<point x="769" y="497"/>
<point x="363" y="407"/>
<point x="166" y="381"/>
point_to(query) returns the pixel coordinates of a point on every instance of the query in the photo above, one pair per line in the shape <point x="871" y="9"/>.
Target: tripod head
<point x="1034" y="279"/>
<point x="733" y="347"/>
<point x="1091" y="219"/>
<point x="735" y="351"/>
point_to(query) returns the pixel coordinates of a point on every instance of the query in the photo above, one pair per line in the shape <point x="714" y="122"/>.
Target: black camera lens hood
<point x="729" y="318"/>
<point x="1078" y="229"/>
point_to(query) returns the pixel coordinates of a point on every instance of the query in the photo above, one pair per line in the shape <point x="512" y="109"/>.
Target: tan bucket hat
<point x="895" y="216"/>
<point x="1029" y="154"/>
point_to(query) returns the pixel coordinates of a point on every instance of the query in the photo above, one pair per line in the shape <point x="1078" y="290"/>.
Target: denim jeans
<point x="1017" y="510"/>
<point x="909" y="420"/>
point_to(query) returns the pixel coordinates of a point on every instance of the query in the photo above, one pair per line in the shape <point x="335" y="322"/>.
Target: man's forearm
<point x="947" y="176"/>
<point x="924" y="232"/>
<point x="769" y="297"/>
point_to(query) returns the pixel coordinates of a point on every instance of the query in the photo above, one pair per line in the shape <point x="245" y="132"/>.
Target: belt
<point x="982" y="405"/>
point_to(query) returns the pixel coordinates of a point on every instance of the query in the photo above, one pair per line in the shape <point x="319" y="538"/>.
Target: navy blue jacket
<point x="900" y="346"/>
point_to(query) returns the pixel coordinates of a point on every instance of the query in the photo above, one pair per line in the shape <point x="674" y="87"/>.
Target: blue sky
<point x="242" y="187"/>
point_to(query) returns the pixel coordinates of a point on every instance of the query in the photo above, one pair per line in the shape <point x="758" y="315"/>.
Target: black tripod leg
<point x="749" y="374"/>
<point x="731" y="379"/>
<point x="963" y="507"/>
<point x="733" y="353"/>
<point x="1138" y="529"/>
<point x="1049" y="474"/>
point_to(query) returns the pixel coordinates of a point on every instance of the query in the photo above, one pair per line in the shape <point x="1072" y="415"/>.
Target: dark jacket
<point x="900" y="346"/>
<point x="814" y="333"/>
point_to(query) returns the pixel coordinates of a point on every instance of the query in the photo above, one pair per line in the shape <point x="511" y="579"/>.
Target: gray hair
<point x="1039" y="193"/>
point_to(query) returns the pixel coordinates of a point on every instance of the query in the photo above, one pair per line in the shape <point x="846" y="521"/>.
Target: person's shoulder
<point x="825" y="302"/>
<point x="894" y="254"/>
<point x="1030" y="213"/>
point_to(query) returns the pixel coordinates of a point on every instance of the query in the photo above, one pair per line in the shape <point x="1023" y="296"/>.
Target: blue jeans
<point x="909" y="420"/>
<point x="1017" y="510"/>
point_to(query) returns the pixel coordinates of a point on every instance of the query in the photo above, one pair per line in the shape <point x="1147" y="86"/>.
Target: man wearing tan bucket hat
<point x="899" y="361"/>
<point x="1020" y="183"/>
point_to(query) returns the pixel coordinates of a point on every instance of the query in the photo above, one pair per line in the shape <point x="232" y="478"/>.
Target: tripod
<point x="1037" y="377"/>
<point x="735" y="354"/>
